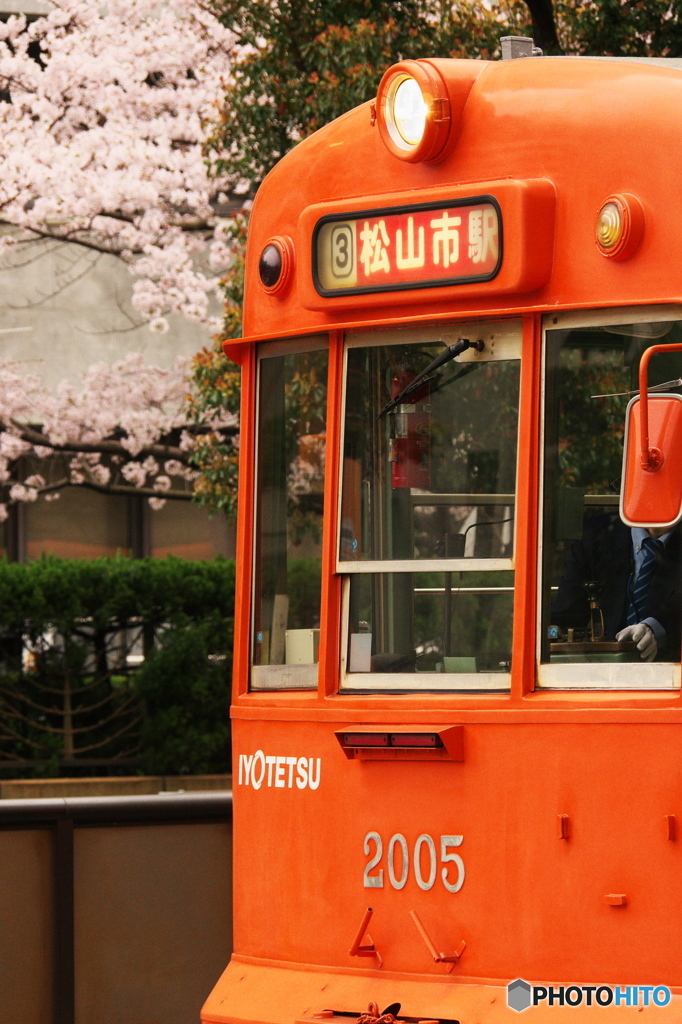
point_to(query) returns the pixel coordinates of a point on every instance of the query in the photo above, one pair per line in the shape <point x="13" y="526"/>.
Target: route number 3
<point x="374" y="845"/>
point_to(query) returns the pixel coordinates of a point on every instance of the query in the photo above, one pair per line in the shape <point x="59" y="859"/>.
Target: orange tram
<point x="457" y="755"/>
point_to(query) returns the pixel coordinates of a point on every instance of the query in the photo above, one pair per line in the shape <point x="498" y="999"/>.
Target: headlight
<point x="413" y="111"/>
<point x="406" y="112"/>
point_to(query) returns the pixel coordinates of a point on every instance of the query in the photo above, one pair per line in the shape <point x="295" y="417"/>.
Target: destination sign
<point x="424" y="246"/>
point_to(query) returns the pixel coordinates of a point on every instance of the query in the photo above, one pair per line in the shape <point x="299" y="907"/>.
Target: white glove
<point x="645" y="638"/>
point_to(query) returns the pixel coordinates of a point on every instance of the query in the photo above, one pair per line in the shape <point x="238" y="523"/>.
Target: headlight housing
<point x="276" y="265"/>
<point x="413" y="111"/>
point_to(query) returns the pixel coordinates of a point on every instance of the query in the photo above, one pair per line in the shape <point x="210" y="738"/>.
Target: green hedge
<point x="71" y="698"/>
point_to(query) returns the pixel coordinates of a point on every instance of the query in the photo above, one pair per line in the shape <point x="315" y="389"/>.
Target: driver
<point x="637" y="573"/>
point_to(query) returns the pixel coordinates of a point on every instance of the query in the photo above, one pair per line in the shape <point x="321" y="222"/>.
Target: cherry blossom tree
<point x="103" y="111"/>
<point x="122" y="428"/>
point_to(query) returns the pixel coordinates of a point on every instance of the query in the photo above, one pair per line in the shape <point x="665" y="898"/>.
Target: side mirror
<point x="651" y="491"/>
<point x="651" y="495"/>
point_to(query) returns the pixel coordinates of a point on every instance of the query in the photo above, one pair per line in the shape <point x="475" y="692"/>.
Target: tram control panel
<point x="456" y="700"/>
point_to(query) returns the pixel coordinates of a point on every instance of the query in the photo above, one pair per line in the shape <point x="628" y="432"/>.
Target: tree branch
<point x="145" y="492"/>
<point x="124" y="489"/>
<point x="159" y="451"/>
<point x="72" y="237"/>
<point x="544" y="26"/>
<point x="114" y="736"/>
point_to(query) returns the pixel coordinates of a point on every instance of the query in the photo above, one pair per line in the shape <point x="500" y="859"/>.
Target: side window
<point x="610" y="599"/>
<point x="292" y="407"/>
<point x="427" y="509"/>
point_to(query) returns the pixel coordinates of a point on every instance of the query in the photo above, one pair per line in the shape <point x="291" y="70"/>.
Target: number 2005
<point x="425" y="879"/>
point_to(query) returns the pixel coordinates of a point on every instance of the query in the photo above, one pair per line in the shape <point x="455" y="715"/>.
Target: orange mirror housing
<point x="651" y="494"/>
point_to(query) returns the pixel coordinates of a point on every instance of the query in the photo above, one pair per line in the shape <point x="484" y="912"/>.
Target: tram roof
<point x="663" y="62"/>
<point x="591" y="126"/>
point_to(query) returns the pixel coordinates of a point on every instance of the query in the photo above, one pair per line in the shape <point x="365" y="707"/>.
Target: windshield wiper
<point x="418" y="382"/>
<point x="444" y="382"/>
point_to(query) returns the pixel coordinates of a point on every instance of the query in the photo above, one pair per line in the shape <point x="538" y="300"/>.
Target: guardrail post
<point x="65" y="982"/>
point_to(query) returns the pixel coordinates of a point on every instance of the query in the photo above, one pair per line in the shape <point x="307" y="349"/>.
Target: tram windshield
<point x="427" y="508"/>
<point x="603" y="623"/>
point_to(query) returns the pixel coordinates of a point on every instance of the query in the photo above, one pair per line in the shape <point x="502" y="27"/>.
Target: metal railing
<point x="115" y="909"/>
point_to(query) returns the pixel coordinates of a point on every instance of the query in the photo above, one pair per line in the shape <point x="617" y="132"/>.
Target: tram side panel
<point x="554" y="820"/>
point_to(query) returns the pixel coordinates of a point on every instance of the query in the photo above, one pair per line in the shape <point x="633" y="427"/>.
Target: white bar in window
<point x="284" y="677"/>
<point x="427" y="681"/>
<point x="361" y="652"/>
<point x="427" y="565"/>
<point x="609" y="676"/>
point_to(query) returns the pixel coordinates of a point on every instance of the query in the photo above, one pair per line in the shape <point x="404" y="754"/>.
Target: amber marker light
<point x="620" y="226"/>
<point x="413" y="111"/>
<point x="276" y="265"/>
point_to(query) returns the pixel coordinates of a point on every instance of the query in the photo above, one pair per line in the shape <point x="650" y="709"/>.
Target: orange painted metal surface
<point x="588" y="127"/>
<point x="552" y="842"/>
<point x="652" y="461"/>
<point x="650" y="458"/>
<point x="652" y="495"/>
<point x="526" y="209"/>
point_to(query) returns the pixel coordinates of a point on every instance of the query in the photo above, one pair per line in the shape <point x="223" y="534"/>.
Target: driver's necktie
<point x="653" y="548"/>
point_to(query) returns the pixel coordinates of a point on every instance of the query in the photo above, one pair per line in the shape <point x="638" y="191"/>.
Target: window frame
<point x="277" y="678"/>
<point x="645" y="677"/>
<point x="430" y="682"/>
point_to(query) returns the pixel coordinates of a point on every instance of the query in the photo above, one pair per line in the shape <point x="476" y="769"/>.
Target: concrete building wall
<point x="29" y="7"/>
<point x="74" y="308"/>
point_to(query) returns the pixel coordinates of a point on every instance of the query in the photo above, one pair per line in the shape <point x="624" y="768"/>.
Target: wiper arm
<point x="418" y="382"/>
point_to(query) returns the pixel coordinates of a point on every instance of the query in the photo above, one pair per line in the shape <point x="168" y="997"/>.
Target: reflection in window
<point x="589" y="569"/>
<point x="289" y="502"/>
<point x="434" y="477"/>
<point x="431" y="480"/>
<point x="447" y="622"/>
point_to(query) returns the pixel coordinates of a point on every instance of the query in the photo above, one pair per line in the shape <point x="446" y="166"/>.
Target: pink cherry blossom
<point x="101" y="141"/>
<point x="122" y="427"/>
